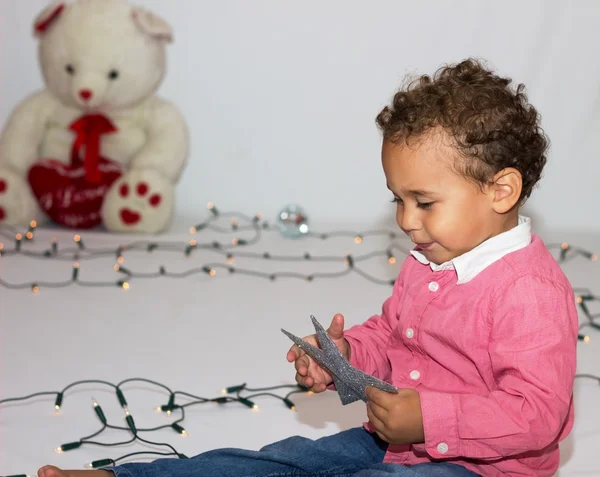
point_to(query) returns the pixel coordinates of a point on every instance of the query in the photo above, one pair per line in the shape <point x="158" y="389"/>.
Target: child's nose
<point x="408" y="220"/>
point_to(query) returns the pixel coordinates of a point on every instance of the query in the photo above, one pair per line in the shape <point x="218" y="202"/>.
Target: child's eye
<point x="424" y="205"/>
<point x="397" y="200"/>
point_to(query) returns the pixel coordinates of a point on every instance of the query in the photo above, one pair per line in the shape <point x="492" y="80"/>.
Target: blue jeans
<point x="354" y="452"/>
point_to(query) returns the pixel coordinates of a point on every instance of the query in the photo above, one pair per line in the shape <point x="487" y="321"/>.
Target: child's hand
<point x="397" y="417"/>
<point x="308" y="372"/>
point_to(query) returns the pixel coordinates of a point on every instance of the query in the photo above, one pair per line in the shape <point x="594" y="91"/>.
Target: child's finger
<point x="305" y="381"/>
<point x="336" y="329"/>
<point x="376" y="422"/>
<point x="377" y="411"/>
<point x="294" y="353"/>
<point x="302" y="364"/>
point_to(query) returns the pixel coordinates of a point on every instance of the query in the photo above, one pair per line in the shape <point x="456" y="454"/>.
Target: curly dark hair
<point x="491" y="125"/>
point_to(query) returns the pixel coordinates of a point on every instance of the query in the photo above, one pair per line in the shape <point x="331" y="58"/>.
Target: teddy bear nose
<point x="85" y="94"/>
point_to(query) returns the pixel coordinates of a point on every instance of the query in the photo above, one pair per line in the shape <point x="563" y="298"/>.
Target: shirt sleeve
<point x="368" y="341"/>
<point x="533" y="349"/>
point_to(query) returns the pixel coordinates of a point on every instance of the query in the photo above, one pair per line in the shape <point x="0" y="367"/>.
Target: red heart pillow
<point x="65" y="194"/>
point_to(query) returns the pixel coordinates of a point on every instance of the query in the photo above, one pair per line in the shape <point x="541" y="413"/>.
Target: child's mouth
<point x="424" y="246"/>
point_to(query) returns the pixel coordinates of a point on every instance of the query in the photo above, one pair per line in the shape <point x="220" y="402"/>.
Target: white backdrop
<point x="281" y="96"/>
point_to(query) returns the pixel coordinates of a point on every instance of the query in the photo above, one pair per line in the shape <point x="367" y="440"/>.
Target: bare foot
<point x="51" y="471"/>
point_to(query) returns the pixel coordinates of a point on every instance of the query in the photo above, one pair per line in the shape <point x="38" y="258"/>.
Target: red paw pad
<point x="142" y="188"/>
<point x="124" y="190"/>
<point x="2" y="213"/>
<point x="3" y="186"/>
<point x="129" y="216"/>
<point x="155" y="200"/>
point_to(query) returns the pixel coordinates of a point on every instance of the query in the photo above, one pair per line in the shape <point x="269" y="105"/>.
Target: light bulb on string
<point x="75" y="271"/>
<point x="233" y="389"/>
<point x="67" y="447"/>
<point x="391" y="258"/>
<point x="564" y="249"/>
<point x="99" y="463"/>
<point x="78" y="241"/>
<point x="32" y="226"/>
<point x="58" y="401"/>
<point x="179" y="429"/>
<point x="289" y="404"/>
<point x="192" y="244"/>
<point x="210" y="206"/>
<point x="349" y="261"/>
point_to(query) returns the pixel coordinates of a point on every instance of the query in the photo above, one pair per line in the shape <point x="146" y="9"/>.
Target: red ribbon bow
<point x="88" y="129"/>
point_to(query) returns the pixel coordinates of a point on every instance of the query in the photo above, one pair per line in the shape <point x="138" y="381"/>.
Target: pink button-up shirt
<point x="489" y="342"/>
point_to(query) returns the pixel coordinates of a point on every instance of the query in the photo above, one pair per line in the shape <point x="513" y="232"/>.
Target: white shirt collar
<point x="470" y="264"/>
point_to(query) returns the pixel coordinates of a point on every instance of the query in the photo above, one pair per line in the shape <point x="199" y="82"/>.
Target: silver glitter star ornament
<point x="351" y="383"/>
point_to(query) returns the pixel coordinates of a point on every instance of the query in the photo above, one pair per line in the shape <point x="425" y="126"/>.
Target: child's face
<point x="446" y="214"/>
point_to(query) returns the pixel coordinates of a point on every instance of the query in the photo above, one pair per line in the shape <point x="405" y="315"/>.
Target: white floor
<point x="199" y="335"/>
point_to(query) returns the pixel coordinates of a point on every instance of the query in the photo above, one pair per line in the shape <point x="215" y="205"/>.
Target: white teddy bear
<point x="97" y="146"/>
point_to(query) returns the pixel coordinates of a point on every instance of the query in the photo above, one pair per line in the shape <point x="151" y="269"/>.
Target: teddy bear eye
<point x="70" y="69"/>
<point x="113" y="75"/>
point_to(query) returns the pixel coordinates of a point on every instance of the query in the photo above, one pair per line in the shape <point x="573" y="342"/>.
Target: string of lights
<point x="79" y="252"/>
<point x="231" y="394"/>
<point x="246" y="231"/>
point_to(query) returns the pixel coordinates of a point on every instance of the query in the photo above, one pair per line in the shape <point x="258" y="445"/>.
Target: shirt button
<point x="433" y="286"/>
<point x="415" y="375"/>
<point x="442" y="447"/>
<point x="410" y="333"/>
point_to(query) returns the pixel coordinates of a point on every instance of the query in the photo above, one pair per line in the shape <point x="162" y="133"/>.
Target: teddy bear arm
<point x="168" y="142"/>
<point x="24" y="132"/>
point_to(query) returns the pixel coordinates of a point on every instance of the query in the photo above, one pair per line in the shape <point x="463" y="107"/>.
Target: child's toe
<point x="50" y="471"/>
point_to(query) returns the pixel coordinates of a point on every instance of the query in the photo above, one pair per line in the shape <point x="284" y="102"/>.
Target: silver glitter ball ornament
<point x="292" y="221"/>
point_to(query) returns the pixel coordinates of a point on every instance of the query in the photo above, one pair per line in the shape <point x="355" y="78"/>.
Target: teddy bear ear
<point x="47" y="17"/>
<point x="151" y="24"/>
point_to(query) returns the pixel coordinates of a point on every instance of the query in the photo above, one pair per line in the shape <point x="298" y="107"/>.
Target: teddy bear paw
<point x="139" y="202"/>
<point x="17" y="204"/>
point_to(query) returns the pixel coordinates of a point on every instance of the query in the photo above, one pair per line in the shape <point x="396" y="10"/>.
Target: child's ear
<point x="506" y="189"/>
